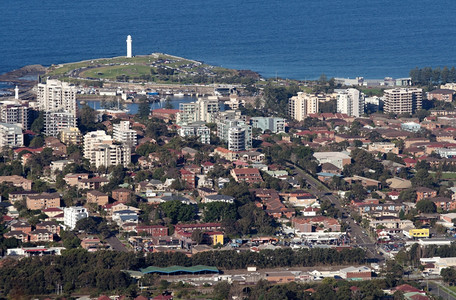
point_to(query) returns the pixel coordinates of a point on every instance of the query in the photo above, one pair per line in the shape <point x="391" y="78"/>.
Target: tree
<point x="426" y="206"/>
<point x="168" y="103"/>
<point x="177" y="211"/>
<point x="423" y="178"/>
<point x="38" y="123"/>
<point x="37" y="142"/>
<point x="198" y="236"/>
<point x="89" y="225"/>
<point x="448" y="275"/>
<point x="143" y="109"/>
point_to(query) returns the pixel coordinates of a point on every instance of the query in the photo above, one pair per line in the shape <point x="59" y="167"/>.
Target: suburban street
<point x="116" y="244"/>
<point x="437" y="291"/>
<point x="357" y="234"/>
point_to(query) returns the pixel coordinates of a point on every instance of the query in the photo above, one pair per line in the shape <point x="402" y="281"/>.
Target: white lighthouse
<point x="16" y="93"/>
<point x="129" y="40"/>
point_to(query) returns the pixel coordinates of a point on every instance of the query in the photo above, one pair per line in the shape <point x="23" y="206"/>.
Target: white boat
<point x="179" y="94"/>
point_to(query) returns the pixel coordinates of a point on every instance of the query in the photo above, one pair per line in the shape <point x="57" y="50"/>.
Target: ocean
<point x="298" y="39"/>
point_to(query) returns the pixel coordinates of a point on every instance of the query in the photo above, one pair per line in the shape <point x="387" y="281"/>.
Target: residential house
<point x="17" y="181"/>
<point x="189" y="178"/>
<point x="92" y="183"/>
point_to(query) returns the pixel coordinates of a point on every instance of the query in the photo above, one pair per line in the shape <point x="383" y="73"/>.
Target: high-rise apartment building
<point x="350" y="102"/>
<point x="56" y="121"/>
<point x="401" y="101"/>
<point x="56" y="95"/>
<point x="236" y="133"/>
<point x="196" y="129"/>
<point x="11" y="136"/>
<point x="100" y="150"/>
<point x="123" y="134"/>
<point x="202" y="110"/>
<point x="300" y="106"/>
<point x="58" y="100"/>
<point x="16" y="113"/>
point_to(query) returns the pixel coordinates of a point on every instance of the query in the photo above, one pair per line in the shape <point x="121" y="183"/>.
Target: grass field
<point x="111" y="72"/>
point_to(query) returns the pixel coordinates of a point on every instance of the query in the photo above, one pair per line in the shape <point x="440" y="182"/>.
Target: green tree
<point x="448" y="275"/>
<point x="143" y="109"/>
<point x="426" y="206"/>
<point x="177" y="211"/>
<point x="38" y="123"/>
<point x="198" y="236"/>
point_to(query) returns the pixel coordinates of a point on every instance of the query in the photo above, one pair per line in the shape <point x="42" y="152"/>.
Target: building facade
<point x="196" y="129"/>
<point x="236" y="133"/>
<point x="302" y="105"/>
<point x="400" y="101"/>
<point x="15" y="113"/>
<point x="72" y="215"/>
<point x="56" y="121"/>
<point x="11" y="136"/>
<point x="100" y="149"/>
<point x="123" y="134"/>
<point x="274" y="125"/>
<point x="350" y="102"/>
<point x="204" y="110"/>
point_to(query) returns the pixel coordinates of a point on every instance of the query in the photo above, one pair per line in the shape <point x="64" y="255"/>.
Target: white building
<point x="101" y="151"/>
<point x="16" y="113"/>
<point x="123" y="134"/>
<point x="338" y="159"/>
<point x="275" y="125"/>
<point x="11" y="136"/>
<point x="350" y="102"/>
<point x="58" y="100"/>
<point x="205" y="109"/>
<point x="300" y="106"/>
<point x="196" y="129"/>
<point x="72" y="215"/>
<point x="56" y="121"/>
<point x="111" y="155"/>
<point x="236" y="133"/>
<point x="400" y="101"/>
<point x="56" y="95"/>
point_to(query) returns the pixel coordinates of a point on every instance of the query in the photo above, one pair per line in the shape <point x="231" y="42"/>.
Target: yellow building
<point x="70" y="135"/>
<point x="416" y="233"/>
<point x="217" y="238"/>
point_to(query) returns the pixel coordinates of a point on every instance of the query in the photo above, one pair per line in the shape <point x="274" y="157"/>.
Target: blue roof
<point x="324" y="174"/>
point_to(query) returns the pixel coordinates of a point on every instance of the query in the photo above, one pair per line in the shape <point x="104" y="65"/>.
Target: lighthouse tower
<point x="129" y="40"/>
<point x="16" y="93"/>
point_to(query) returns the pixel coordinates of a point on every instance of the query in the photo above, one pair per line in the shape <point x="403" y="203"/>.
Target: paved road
<point x="116" y="244"/>
<point x="357" y="232"/>
<point x="437" y="291"/>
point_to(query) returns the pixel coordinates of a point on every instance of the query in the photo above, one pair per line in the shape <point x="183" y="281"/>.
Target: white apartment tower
<point x="203" y="110"/>
<point x="123" y="134"/>
<point x="11" y="136"/>
<point x="400" y="101"/>
<point x="56" y="95"/>
<point x="300" y="106"/>
<point x="236" y="133"/>
<point x="58" y="100"/>
<point x="100" y="150"/>
<point x="350" y="102"/>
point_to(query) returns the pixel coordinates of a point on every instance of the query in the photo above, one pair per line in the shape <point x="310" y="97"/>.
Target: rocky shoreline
<point x="23" y="76"/>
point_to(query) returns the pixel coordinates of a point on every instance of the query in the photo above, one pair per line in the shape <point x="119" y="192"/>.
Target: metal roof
<point x="177" y="269"/>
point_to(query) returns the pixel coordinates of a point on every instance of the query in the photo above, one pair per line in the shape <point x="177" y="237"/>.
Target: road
<point x="116" y="244"/>
<point x="357" y="234"/>
<point x="437" y="291"/>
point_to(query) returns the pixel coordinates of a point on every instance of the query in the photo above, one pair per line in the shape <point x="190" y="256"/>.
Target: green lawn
<point x="111" y="72"/>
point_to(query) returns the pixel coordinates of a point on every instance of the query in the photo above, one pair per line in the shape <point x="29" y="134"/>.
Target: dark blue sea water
<point x="294" y="39"/>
